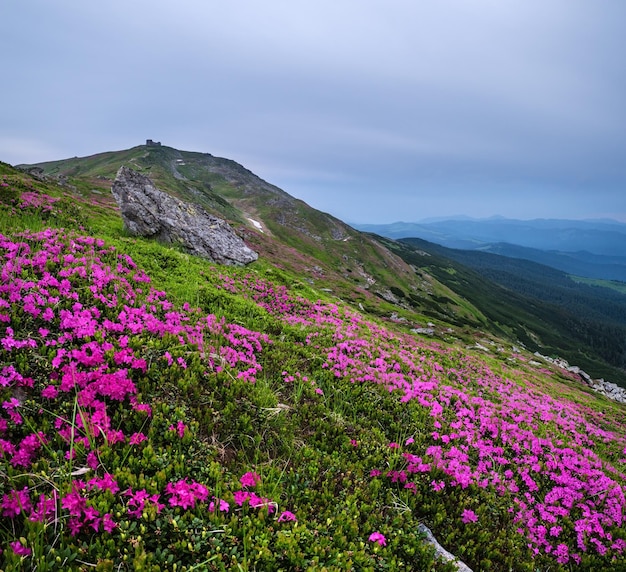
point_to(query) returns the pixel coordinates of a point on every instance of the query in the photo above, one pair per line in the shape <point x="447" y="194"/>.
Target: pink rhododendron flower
<point x="562" y="554"/>
<point x="179" y="428"/>
<point x="114" y="436"/>
<point x="141" y="407"/>
<point x="92" y="460"/>
<point x="469" y="516"/>
<point x="185" y="495"/>
<point x="19" y="549"/>
<point x="253" y="500"/>
<point x="16" y="502"/>
<point x="223" y="506"/>
<point x="438" y="485"/>
<point x="45" y="510"/>
<point x="286" y="516"/>
<point x="107" y="482"/>
<point x="378" y="537"/>
<point x="50" y="392"/>
<point x="137" y="438"/>
<point x="250" y="479"/>
<point x="11" y="408"/>
<point x="74" y="503"/>
<point x="107" y="523"/>
<point x="241" y="497"/>
<point x="138" y="499"/>
<point x="256" y="501"/>
<point x="29" y="445"/>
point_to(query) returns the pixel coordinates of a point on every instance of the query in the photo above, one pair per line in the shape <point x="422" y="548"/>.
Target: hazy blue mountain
<point x="590" y="248"/>
<point x="581" y="263"/>
<point x="597" y="237"/>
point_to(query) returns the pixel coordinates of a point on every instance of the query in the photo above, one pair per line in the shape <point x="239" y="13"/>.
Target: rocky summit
<point x="149" y="212"/>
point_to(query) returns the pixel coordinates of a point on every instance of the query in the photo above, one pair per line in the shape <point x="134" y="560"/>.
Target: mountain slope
<point x="540" y="306"/>
<point x="317" y="247"/>
<point x="160" y="412"/>
<point x="373" y="274"/>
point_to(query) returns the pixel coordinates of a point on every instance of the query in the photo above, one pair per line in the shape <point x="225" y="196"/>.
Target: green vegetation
<point x="612" y="284"/>
<point x="163" y="413"/>
<point x="541" y="307"/>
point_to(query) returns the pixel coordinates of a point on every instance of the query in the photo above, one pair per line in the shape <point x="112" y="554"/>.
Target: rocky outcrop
<point x="440" y="551"/>
<point x="149" y="212"/>
<point x="606" y="388"/>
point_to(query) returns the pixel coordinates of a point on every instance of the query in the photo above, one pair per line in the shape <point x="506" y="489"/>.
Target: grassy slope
<point x="316" y="247"/>
<point x="343" y="422"/>
<point x="611" y="284"/>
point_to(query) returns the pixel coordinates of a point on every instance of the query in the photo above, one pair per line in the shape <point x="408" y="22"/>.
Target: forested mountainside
<point x="544" y="308"/>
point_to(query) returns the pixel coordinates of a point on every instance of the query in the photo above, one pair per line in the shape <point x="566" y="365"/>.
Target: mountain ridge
<point x="361" y="269"/>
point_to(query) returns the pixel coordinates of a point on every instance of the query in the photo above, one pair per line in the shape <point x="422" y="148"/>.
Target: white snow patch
<point x="256" y="223"/>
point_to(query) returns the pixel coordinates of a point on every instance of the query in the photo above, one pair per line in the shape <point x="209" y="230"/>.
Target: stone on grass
<point x="149" y="212"/>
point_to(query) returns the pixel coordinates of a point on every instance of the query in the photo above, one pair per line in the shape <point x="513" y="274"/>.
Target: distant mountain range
<point x="587" y="248"/>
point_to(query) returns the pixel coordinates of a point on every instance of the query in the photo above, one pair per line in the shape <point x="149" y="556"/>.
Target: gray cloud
<point x="370" y="111"/>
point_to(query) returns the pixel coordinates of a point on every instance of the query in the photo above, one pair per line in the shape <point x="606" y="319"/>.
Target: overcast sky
<point x="372" y="110"/>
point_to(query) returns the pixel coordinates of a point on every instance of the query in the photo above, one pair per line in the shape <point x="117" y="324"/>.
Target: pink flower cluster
<point x="250" y="479"/>
<point x="487" y="430"/>
<point x="185" y="494"/>
<point x="32" y="200"/>
<point x="254" y="500"/>
<point x="81" y="515"/>
<point x="379" y="538"/>
<point x="86" y="294"/>
<point x="139" y="500"/>
<point x="83" y="305"/>
<point x="485" y="434"/>
<point x="35" y="200"/>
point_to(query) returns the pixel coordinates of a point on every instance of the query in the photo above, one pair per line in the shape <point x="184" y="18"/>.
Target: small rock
<point x="440" y="551"/>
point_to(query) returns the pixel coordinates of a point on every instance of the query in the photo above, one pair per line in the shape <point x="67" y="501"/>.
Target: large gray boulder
<point x="149" y="212"/>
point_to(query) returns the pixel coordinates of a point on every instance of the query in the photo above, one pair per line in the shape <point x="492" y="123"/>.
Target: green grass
<point x="612" y="284"/>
